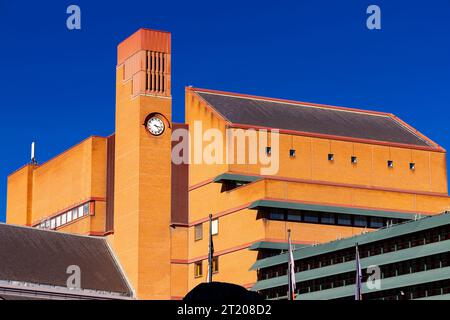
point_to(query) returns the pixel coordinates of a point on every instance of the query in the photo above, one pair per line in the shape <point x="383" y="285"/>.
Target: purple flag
<point x="291" y="270"/>
<point x="358" y="286"/>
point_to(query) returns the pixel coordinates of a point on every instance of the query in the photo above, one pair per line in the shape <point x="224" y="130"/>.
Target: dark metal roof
<point x="342" y="122"/>
<point x="33" y="256"/>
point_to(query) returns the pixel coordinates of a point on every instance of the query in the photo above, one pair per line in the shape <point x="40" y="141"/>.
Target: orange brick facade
<point x="158" y="254"/>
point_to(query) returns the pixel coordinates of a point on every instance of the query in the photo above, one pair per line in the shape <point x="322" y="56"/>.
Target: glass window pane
<point x="69" y="216"/>
<point x="327" y="218"/>
<point x="58" y="221"/>
<point x="80" y="212"/>
<point x="52" y="223"/>
<point x="64" y="218"/>
<point x="376" y="222"/>
<point x="344" y="219"/>
<point x="311" y="217"/>
<point x="294" y="216"/>
<point x="86" y="209"/>
<point x="361" y="221"/>
<point x="276" y="214"/>
<point x="199" y="232"/>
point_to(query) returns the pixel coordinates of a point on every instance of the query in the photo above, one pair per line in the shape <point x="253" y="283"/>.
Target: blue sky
<point x="57" y="86"/>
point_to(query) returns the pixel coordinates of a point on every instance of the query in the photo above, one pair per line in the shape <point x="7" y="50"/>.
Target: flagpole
<point x="358" y="286"/>
<point x="291" y="269"/>
<point x="210" y="251"/>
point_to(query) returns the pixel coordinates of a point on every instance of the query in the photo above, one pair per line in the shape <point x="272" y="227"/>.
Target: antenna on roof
<point x="33" y="158"/>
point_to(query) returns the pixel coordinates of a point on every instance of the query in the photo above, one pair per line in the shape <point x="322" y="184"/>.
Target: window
<point x="330" y="157"/>
<point x="345" y="220"/>
<point x="354" y="160"/>
<point x="268" y="150"/>
<point x="292" y="153"/>
<point x="198" y="230"/>
<point x="390" y="164"/>
<point x="64" y="218"/>
<point x="215" y="264"/>
<point x="294" y="215"/>
<point x="412" y="166"/>
<point x="311" y="217"/>
<point x="58" y="221"/>
<point x="276" y="214"/>
<point x="74" y="214"/>
<point x="52" y="223"/>
<point x="360" y="221"/>
<point x="69" y="216"/>
<point x="198" y="269"/>
<point x="86" y="209"/>
<point x="376" y="222"/>
<point x="215" y="227"/>
<point x="80" y="212"/>
<point x="327" y="218"/>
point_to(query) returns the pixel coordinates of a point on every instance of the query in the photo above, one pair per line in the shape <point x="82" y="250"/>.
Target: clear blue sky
<point x="57" y="86"/>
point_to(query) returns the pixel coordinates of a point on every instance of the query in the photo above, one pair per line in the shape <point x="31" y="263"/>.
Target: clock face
<point x="155" y="125"/>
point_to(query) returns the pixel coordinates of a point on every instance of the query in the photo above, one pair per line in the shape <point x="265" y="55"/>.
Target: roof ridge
<point x="291" y="102"/>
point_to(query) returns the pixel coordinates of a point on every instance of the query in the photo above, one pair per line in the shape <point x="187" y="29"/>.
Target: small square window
<point x="215" y="264"/>
<point x="268" y="150"/>
<point x="390" y="164"/>
<point x="330" y="157"/>
<point x="354" y="160"/>
<point x="198" y="232"/>
<point x="198" y="269"/>
<point x="215" y="227"/>
<point x="292" y="153"/>
<point x="412" y="166"/>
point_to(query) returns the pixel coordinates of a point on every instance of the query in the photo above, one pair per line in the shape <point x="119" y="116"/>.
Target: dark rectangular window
<point x="198" y="269"/>
<point x="412" y="166"/>
<point x="215" y="264"/>
<point x="354" y="159"/>
<point x="376" y="222"/>
<point x="292" y="153"/>
<point x="268" y="150"/>
<point x="327" y="218"/>
<point x="330" y="157"/>
<point x="360" y="221"/>
<point x="294" y="215"/>
<point x="390" y="164"/>
<point x="344" y="219"/>
<point x="276" y="214"/>
<point x="199" y="232"/>
<point x="311" y="217"/>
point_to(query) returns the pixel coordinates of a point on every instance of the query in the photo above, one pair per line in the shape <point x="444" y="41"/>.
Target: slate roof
<point x="312" y="118"/>
<point x="40" y="257"/>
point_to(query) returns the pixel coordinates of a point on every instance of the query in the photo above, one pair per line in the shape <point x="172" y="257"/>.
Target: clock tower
<point x="142" y="174"/>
